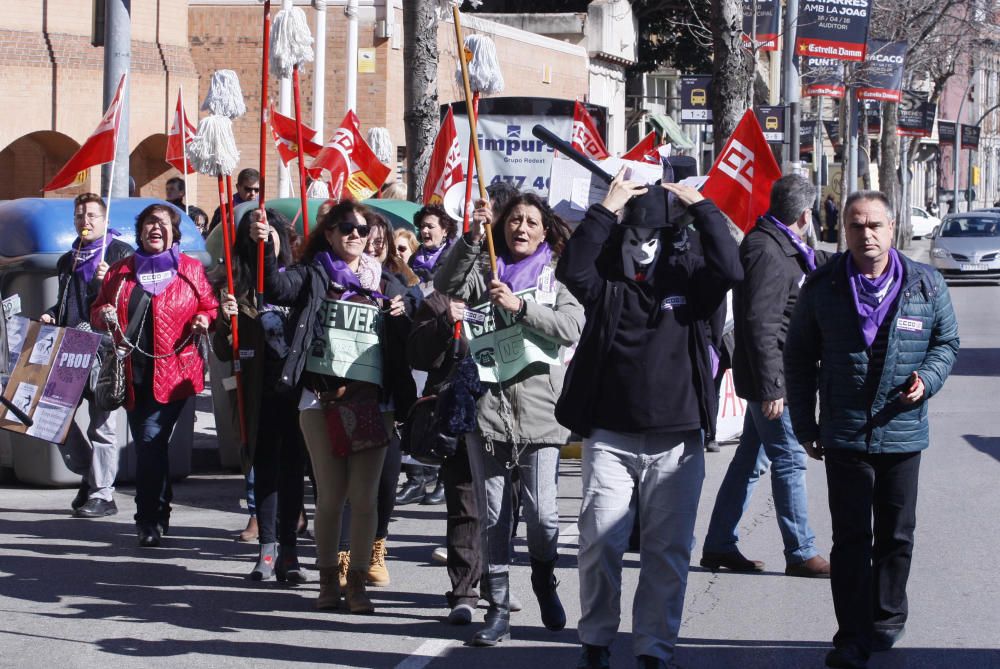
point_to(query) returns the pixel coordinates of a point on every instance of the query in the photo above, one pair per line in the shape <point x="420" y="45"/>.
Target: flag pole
<point x="122" y="85"/>
<point x="183" y="120"/>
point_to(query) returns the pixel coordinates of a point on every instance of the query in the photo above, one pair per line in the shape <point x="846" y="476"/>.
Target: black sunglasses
<point x="347" y="227"/>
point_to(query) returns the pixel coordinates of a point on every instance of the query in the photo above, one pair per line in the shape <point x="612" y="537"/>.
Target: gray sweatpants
<point x="94" y="454"/>
<point x="667" y="470"/>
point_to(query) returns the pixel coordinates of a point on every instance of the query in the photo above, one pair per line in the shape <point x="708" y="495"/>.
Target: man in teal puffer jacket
<point x="882" y="329"/>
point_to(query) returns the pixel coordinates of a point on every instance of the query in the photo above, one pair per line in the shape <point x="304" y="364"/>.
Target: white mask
<point x="640" y="247"/>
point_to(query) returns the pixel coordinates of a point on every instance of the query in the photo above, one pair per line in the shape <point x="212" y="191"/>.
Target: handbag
<point x="110" y="391"/>
<point x="422" y="436"/>
<point x="354" y="421"/>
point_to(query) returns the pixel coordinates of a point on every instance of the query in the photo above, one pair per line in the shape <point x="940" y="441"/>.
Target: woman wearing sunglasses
<point x="348" y="359"/>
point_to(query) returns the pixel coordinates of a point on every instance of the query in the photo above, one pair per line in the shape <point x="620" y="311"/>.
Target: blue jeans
<point x="765" y="442"/>
<point x="152" y="424"/>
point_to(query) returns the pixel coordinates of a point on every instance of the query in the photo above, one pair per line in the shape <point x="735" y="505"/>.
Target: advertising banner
<point x="503" y="348"/>
<point x="347" y="342"/>
<point x="836" y="29"/>
<point x="916" y="115"/>
<point x="881" y="75"/>
<point x="970" y="136"/>
<point x="807" y="131"/>
<point x="696" y="94"/>
<point x="772" y="122"/>
<point x="48" y="379"/>
<point x="870" y="113"/>
<point x="946" y="132"/>
<point x="833" y="132"/>
<point x="822" y="76"/>
<point x="768" y="24"/>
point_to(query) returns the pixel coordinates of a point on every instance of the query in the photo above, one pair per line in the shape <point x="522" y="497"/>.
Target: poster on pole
<point x="807" y="131"/>
<point x="836" y="29"/>
<point x="916" y="115"/>
<point x="970" y="137"/>
<point x="768" y="23"/>
<point x="772" y="122"/>
<point x="347" y="342"/>
<point x="881" y="75"/>
<point x="870" y="117"/>
<point x="946" y="132"/>
<point x="48" y="379"/>
<point x="696" y="96"/>
<point x="822" y="76"/>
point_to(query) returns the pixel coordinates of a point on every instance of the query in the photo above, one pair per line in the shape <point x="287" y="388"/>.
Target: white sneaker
<point x="440" y="554"/>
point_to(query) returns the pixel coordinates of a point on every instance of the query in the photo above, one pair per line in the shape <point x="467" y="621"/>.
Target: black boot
<point x="497" y="626"/>
<point x="287" y="568"/>
<point x="264" y="569"/>
<point x="543" y="582"/>
<point x="594" y="657"/>
<point x="412" y="491"/>
<point x="435" y="496"/>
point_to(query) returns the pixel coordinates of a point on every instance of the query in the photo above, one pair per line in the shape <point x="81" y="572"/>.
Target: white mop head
<point x="212" y="150"/>
<point x="291" y="41"/>
<point x="225" y="97"/>
<point x="381" y="143"/>
<point x="485" y="75"/>
<point x="444" y="7"/>
<point x="319" y="189"/>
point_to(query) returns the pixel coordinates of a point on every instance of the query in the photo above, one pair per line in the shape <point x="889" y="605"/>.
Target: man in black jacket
<point x="94" y="456"/>
<point x="775" y="263"/>
<point x="639" y="389"/>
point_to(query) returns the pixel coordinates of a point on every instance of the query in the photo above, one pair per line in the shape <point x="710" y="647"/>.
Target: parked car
<point x="922" y="224"/>
<point x="967" y="247"/>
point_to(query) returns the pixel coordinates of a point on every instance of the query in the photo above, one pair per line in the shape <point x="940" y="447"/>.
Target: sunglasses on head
<point x="347" y="227"/>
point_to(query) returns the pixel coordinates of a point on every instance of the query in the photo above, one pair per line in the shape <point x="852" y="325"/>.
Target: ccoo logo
<point x="738" y="164"/>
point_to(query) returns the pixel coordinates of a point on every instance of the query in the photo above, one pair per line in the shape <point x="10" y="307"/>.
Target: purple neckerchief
<point x="155" y="271"/>
<point x="804" y="250"/>
<point x="425" y="260"/>
<point x="873" y="298"/>
<point x="343" y="278"/>
<point x="86" y="257"/>
<point x="523" y="274"/>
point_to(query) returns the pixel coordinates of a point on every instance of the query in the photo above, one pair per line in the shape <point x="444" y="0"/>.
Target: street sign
<point x="916" y="115"/>
<point x="881" y="75"/>
<point x="772" y="122"/>
<point x="768" y="15"/>
<point x="835" y="29"/>
<point x="696" y="106"/>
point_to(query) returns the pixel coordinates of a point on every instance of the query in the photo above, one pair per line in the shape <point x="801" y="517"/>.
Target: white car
<point x="922" y="224"/>
<point x="967" y="247"/>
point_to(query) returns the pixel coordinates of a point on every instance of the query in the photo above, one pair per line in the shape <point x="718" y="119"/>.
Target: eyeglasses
<point x="89" y="217"/>
<point x="347" y="227"/>
<point x="251" y="189"/>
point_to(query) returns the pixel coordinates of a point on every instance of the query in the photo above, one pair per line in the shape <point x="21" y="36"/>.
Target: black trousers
<point x="465" y="552"/>
<point x="278" y="466"/>
<point x="873" y="500"/>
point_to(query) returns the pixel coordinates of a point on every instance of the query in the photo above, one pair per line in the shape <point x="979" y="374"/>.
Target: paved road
<point x="77" y="593"/>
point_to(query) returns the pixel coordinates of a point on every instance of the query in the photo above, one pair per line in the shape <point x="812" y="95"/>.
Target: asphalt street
<point x="80" y="593"/>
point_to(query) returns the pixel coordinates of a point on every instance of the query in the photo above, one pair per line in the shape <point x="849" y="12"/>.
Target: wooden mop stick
<point x="265" y="73"/>
<point x="303" y="195"/>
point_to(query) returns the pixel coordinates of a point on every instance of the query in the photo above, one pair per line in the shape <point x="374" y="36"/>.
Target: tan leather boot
<point x="329" y="588"/>
<point x="343" y="565"/>
<point x="356" y="595"/>
<point x="378" y="575"/>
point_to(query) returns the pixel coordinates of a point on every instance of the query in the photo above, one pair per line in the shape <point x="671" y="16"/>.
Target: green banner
<point x="347" y="342"/>
<point x="503" y="348"/>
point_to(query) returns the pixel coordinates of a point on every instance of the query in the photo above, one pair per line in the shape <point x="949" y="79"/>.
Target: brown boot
<point x="814" y="567"/>
<point x="250" y="533"/>
<point x="343" y="565"/>
<point x="378" y="575"/>
<point x="356" y="595"/>
<point x="329" y="588"/>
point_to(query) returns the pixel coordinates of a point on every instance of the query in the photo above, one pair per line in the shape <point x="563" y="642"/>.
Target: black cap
<point x="648" y="210"/>
<point x="678" y="168"/>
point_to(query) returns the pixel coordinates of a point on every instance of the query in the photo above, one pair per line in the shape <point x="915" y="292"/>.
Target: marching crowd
<point x="619" y="325"/>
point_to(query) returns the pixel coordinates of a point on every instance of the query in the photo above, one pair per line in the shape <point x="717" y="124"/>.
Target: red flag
<point x="586" y="139"/>
<point x="446" y="162"/>
<point x="350" y="162"/>
<point x="645" y="151"/>
<point x="741" y="178"/>
<point x="176" y="140"/>
<point x="99" y="147"/>
<point x="283" y="132"/>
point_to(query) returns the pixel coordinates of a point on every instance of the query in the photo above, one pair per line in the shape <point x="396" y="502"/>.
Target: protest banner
<point x="916" y="115"/>
<point x="502" y="347"/>
<point x="48" y="378"/>
<point x="768" y="15"/>
<point x="696" y="104"/>
<point x="881" y="75"/>
<point x="836" y="29"/>
<point x="347" y="344"/>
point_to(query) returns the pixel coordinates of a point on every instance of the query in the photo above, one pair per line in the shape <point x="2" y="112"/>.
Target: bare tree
<point x="732" y="68"/>
<point x="421" y="114"/>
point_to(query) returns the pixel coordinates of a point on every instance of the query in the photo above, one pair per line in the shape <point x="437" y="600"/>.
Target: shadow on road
<point x="988" y="445"/>
<point x="977" y="362"/>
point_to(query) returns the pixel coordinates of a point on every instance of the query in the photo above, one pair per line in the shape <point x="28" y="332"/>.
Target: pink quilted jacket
<point x="175" y="377"/>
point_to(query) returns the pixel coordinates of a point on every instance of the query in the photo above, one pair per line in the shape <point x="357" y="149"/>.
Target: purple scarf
<point x="873" y="298"/>
<point x="424" y="260"/>
<point x="344" y="279"/>
<point x="804" y="250"/>
<point x="87" y="255"/>
<point x="523" y="274"/>
<point x="155" y="271"/>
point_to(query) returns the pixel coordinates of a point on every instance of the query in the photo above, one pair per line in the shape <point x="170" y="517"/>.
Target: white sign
<point x="575" y="188"/>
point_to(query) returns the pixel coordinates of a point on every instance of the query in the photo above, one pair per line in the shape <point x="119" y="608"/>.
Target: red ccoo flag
<point x="350" y="162"/>
<point x="741" y="178"/>
<point x="177" y="139"/>
<point x="585" y="138"/>
<point x="645" y="151"/>
<point x="283" y="132"/>
<point x="446" y="162"/>
<point x="99" y="147"/>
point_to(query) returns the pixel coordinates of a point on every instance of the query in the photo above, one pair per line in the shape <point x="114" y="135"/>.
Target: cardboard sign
<point x="503" y="348"/>
<point x="47" y="381"/>
<point x="836" y="29"/>
<point x="696" y="101"/>
<point x="347" y="342"/>
<point x="574" y="188"/>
